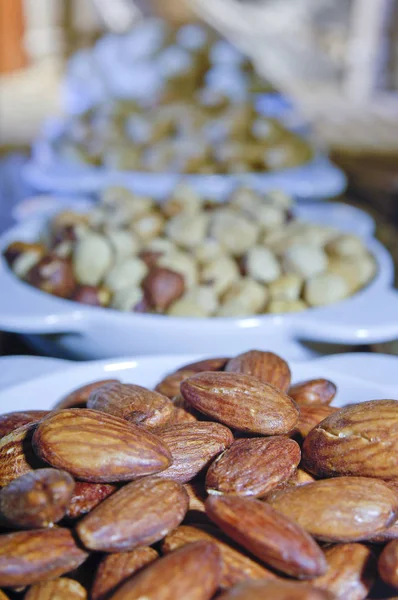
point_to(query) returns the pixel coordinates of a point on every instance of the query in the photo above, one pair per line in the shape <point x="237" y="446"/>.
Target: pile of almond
<point x="226" y="482"/>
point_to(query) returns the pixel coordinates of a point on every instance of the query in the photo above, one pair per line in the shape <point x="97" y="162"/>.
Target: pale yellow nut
<point x="208" y="250"/>
<point x="184" y="200"/>
<point x="288" y="287"/>
<point x="187" y="230"/>
<point x="205" y="297"/>
<point x="114" y="197"/>
<point x="181" y="262"/>
<point x="346" y="245"/>
<point x="325" y="288"/>
<point x="25" y="261"/>
<point x="357" y="271"/>
<point x="280" y="199"/>
<point x="246" y="200"/>
<point x="262" y="264"/>
<point x="92" y="259"/>
<point x="248" y="293"/>
<point x="234" y="308"/>
<point x="234" y="232"/>
<point x="186" y="308"/>
<point x="286" y="306"/>
<point x="270" y="217"/>
<point x="148" y="226"/>
<point x="127" y="298"/>
<point x="124" y="244"/>
<point x="162" y="245"/>
<point x="304" y="260"/>
<point x="68" y="218"/>
<point x="125" y="274"/>
<point x="64" y="249"/>
<point x="220" y="274"/>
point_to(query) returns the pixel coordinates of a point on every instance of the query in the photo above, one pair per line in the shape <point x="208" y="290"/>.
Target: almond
<point x="235" y="566"/>
<point x="115" y="569"/>
<point x="313" y="391"/>
<point x="28" y="557"/>
<point x="139" y="514"/>
<point x="191" y="573"/>
<point x="13" y="420"/>
<point x="193" y="446"/>
<point x="59" y="589"/>
<point x="276" y="590"/>
<point x="181" y="416"/>
<point x="365" y="507"/>
<point x="265" y="366"/>
<point x="388" y="564"/>
<point x="97" y="447"/>
<point x="311" y="415"/>
<point x="170" y="385"/>
<point x="268" y="535"/>
<point x="197" y="496"/>
<point x="87" y="496"/>
<point x="78" y="398"/>
<point x="16" y="454"/>
<point x="208" y="364"/>
<point x="253" y="466"/>
<point x="351" y="571"/>
<point x="242" y="402"/>
<point x="36" y="499"/>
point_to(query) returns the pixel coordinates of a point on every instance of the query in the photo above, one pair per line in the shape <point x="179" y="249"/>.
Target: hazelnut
<point x="187" y="230"/>
<point x="262" y="265"/>
<point x="94" y="296"/>
<point x="128" y="273"/>
<point x="220" y="274"/>
<point x="53" y="275"/>
<point x="286" y="306"/>
<point x="304" y="260"/>
<point x="287" y="287"/>
<point x="325" y="288"/>
<point x="92" y="259"/>
<point x="162" y="287"/>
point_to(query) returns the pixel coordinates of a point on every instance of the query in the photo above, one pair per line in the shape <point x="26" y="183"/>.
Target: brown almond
<point x="115" y="569"/>
<point x="276" y="590"/>
<point x="311" y="415"/>
<point x="97" y="447"/>
<point x="3" y="596"/>
<point x="265" y="366"/>
<point x="300" y="477"/>
<point x="268" y="535"/>
<point x="242" y="402"/>
<point x="197" y="495"/>
<point x="139" y="514"/>
<point x="87" y="496"/>
<point x="133" y="403"/>
<point x="16" y="454"/>
<point x="360" y="439"/>
<point x="313" y="391"/>
<point x="388" y="564"/>
<point x="13" y="420"/>
<point x="162" y="287"/>
<point x="59" y="589"/>
<point x="208" y="364"/>
<point x="193" y="446"/>
<point x="78" y="398"/>
<point x="170" y="385"/>
<point x="37" y="499"/>
<point x="28" y="557"/>
<point x="351" y="571"/>
<point x="253" y="466"/>
<point x="181" y="416"/>
<point x="192" y="572"/>
<point x="235" y="566"/>
<point x="365" y="507"/>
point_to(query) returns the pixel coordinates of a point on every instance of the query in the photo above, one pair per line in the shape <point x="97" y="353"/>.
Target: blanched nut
<point x="208" y="251"/>
<point x="220" y="274"/>
<point x="53" y="275"/>
<point x="246" y="200"/>
<point x="162" y="287"/>
<point x="91" y="295"/>
<point x="68" y="219"/>
<point x="148" y="226"/>
<point x="22" y="256"/>
<point x="270" y="217"/>
<point x="234" y="232"/>
<point x="135" y="206"/>
<point x="262" y="265"/>
<point x="128" y="299"/>
<point x="325" y="288"/>
<point x="92" y="259"/>
<point x="124" y="244"/>
<point x="245" y="297"/>
<point x="184" y="200"/>
<point x="200" y="301"/>
<point x="161" y="245"/>
<point x="286" y="306"/>
<point x="356" y="271"/>
<point x="280" y="199"/>
<point x="287" y="287"/>
<point x="182" y="263"/>
<point x="346" y="245"/>
<point x="128" y="273"/>
<point x="304" y="260"/>
<point x="187" y="230"/>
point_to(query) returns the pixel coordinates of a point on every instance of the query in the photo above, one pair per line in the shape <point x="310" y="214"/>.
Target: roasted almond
<point x="97" y="447"/>
<point x="265" y="366"/>
<point x="388" y="564"/>
<point x="139" y="514"/>
<point x="16" y="454"/>
<point x="180" y="416"/>
<point x="116" y="569"/>
<point x="357" y="440"/>
<point x="28" y="557"/>
<point x="197" y="495"/>
<point x="13" y="420"/>
<point x="268" y="535"/>
<point x="345" y="509"/>
<point x="311" y="415"/>
<point x="59" y="589"/>
<point x="87" y="496"/>
<point x="276" y="590"/>
<point x="133" y="403"/>
<point x="170" y="385"/>
<point x="192" y="572"/>
<point x="242" y="402"/>
<point x="300" y="477"/>
<point x="253" y="466"/>
<point x="78" y="398"/>
<point x="37" y="499"/>
<point x="193" y="446"/>
<point x="313" y="391"/>
<point x="208" y="364"/>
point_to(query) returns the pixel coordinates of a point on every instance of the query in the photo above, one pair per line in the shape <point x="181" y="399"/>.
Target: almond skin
<point x="16" y="454"/>
<point x="162" y="287"/>
<point x="139" y="514"/>
<point x="388" y="564"/>
<point x="180" y="416"/>
<point x="313" y="391"/>
<point x="197" y="496"/>
<point x="365" y="507"/>
<point x="133" y="403"/>
<point x="28" y="557"/>
<point x="78" y="398"/>
<point x="115" y="569"/>
<point x="235" y="567"/>
<point x="208" y="364"/>
<point x="97" y="447"/>
<point x="357" y="440"/>
<point x="253" y="466"/>
<point x="170" y="385"/>
<point x="311" y="415"/>
<point x="265" y="366"/>
<point x="37" y="499"/>
<point x="87" y="496"/>
<point x="59" y="589"/>
<point x="192" y="572"/>
<point x="242" y="402"/>
<point x="193" y="446"/>
<point x="351" y="571"/>
<point x="276" y="590"/>
<point x="13" y="420"/>
<point x="268" y="535"/>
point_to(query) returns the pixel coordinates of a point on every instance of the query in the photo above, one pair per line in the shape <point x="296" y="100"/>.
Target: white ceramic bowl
<point x="85" y="332"/>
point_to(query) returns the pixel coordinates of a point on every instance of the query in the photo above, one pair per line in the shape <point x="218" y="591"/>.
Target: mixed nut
<point x="190" y="257"/>
<point x="208" y="487"/>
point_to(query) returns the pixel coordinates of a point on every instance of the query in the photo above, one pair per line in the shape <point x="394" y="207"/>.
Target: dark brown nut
<point x="181" y="416"/>
<point x="193" y="446"/>
<point x="253" y="466"/>
<point x="388" y="564"/>
<point x="313" y="391"/>
<point x="241" y="402"/>
<point x="365" y="507"/>
<point x="133" y="403"/>
<point x="311" y="415"/>
<point x="351" y="571"/>
<point x="277" y="590"/>
<point x="13" y="420"/>
<point x="236" y="566"/>
<point x="150" y="258"/>
<point x="59" y="589"/>
<point x="16" y="249"/>
<point x="197" y="496"/>
<point x="116" y="569"/>
<point x="268" y="535"/>
<point x="16" y="454"/>
<point x="266" y="366"/>
<point x="53" y="275"/>
<point x="180" y="404"/>
<point x="208" y="364"/>
<point x="357" y="440"/>
<point x="37" y="499"/>
<point x="170" y="385"/>
<point x="91" y="295"/>
<point x="3" y="596"/>
<point x="162" y="287"/>
<point x="139" y="514"/>
<point x="97" y="447"/>
<point x="28" y="557"/>
<point x="300" y="477"/>
<point x="87" y="496"/>
<point x="192" y="572"/>
<point x="78" y="398"/>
